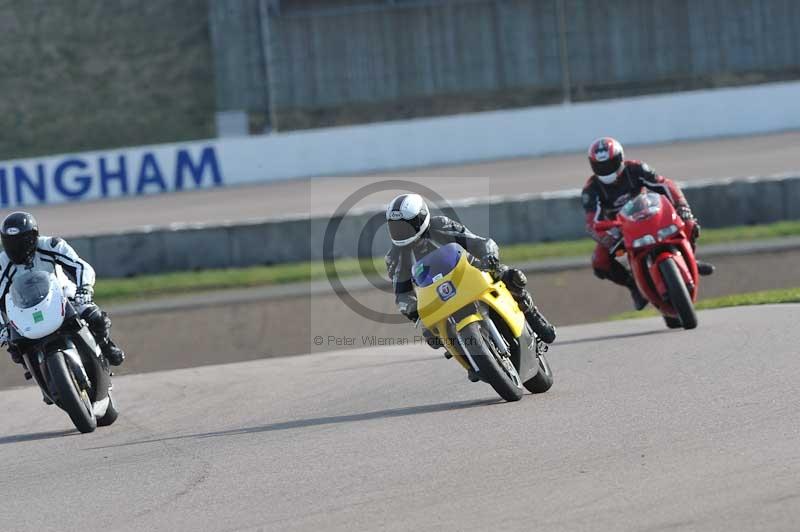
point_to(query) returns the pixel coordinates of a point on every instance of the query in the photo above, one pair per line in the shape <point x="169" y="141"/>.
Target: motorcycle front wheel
<point x="493" y="368"/>
<point x="678" y="293"/>
<point x="74" y="401"/>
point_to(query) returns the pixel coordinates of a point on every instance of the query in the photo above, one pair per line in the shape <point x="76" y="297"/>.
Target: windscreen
<point x="642" y="206"/>
<point x="30" y="288"/>
<point x="435" y="264"/>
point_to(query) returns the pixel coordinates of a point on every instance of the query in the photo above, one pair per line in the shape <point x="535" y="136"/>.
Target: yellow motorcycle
<point x="479" y="323"/>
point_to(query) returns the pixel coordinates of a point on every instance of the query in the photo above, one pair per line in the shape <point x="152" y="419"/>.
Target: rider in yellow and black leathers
<point x="415" y="233"/>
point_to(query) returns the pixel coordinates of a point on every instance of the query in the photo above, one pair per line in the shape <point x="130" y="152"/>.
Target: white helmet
<point x="407" y="217"/>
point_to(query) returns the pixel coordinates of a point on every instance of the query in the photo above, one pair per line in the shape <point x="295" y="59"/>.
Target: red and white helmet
<point x="606" y="156"/>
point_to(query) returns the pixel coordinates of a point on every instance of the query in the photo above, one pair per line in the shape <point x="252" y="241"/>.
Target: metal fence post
<point x="563" y="51"/>
<point x="265" y="10"/>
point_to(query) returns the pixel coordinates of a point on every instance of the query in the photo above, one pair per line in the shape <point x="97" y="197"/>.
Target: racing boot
<point x="516" y="282"/>
<point x="543" y="328"/>
<point x="113" y="354"/>
<point x="705" y="268"/>
<point x="639" y="301"/>
<point x="100" y="324"/>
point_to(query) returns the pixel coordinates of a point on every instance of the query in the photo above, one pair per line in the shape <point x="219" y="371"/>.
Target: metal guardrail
<point x="532" y="218"/>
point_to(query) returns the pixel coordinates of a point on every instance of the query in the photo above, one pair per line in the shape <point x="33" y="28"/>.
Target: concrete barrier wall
<point x="532" y="218"/>
<point x="402" y="144"/>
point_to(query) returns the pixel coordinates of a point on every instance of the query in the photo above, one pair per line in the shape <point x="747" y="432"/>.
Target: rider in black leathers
<point x="416" y="233"/>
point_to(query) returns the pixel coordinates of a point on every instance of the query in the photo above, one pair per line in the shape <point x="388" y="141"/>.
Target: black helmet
<point x="407" y="217"/>
<point x="19" y="235"/>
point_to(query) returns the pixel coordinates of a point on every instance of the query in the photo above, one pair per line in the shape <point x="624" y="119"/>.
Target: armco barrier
<point x="533" y="218"/>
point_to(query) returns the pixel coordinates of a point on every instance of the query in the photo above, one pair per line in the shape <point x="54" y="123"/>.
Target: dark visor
<point x="18" y="247"/>
<point x="605" y="167"/>
<point x="404" y="229"/>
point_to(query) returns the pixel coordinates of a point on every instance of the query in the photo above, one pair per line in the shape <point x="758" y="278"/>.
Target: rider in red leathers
<point x="616" y="180"/>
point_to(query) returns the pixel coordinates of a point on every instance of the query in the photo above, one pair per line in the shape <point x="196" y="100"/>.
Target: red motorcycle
<point x="660" y="256"/>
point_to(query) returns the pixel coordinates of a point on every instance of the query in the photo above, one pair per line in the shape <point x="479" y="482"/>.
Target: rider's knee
<point x="600" y="273"/>
<point x="515" y="279"/>
<point x="98" y="321"/>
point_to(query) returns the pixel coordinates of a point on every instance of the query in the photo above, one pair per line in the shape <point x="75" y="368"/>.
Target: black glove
<point x="685" y="213"/>
<point x="490" y="263"/>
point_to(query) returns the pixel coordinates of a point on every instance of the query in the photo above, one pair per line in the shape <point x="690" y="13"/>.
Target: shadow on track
<point x="614" y="337"/>
<point x="18" y="438"/>
<point x="321" y="421"/>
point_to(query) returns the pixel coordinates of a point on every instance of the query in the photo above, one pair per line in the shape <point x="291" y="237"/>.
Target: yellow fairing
<point x="471" y="284"/>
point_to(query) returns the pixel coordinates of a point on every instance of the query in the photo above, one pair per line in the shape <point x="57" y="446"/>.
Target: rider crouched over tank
<point x="614" y="181"/>
<point x="25" y="249"/>
<point x="415" y="233"/>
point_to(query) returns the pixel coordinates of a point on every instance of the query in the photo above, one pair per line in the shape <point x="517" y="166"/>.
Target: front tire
<point x="490" y="370"/>
<point x="678" y="293"/>
<point x="74" y="401"/>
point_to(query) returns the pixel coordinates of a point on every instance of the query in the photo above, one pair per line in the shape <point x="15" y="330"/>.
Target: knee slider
<point x="600" y="274"/>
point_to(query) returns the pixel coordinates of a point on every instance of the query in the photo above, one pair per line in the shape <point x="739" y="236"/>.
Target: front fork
<point x="463" y="356"/>
<point x="71" y="357"/>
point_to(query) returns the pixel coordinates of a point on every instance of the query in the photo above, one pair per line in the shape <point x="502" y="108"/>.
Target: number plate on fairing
<point x="446" y="290"/>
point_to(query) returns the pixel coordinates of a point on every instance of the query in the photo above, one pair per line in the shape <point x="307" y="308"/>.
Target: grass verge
<point x="766" y="297"/>
<point x="149" y="286"/>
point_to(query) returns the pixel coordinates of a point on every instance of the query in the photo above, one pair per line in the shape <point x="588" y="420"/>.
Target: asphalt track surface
<point x="644" y="429"/>
<point x="683" y="161"/>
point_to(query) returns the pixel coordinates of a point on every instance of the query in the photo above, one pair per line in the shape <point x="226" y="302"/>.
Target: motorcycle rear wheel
<point x="489" y="369"/>
<point x="678" y="293"/>
<point x="74" y="401"/>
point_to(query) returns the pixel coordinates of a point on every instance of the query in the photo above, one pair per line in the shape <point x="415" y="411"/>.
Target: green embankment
<point x="767" y="297"/>
<point x="150" y="286"/>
